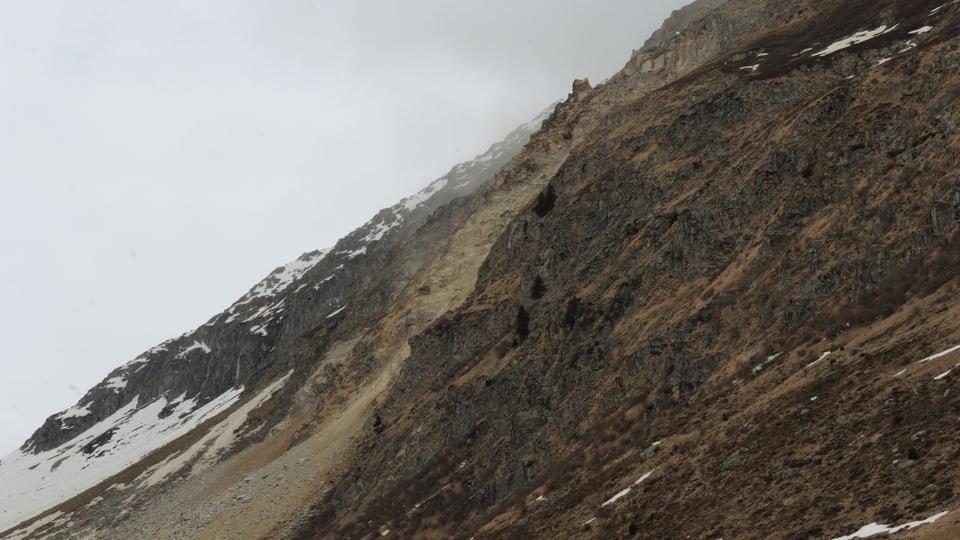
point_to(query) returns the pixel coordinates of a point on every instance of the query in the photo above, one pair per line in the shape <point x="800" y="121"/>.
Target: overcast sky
<point x="157" y="158"/>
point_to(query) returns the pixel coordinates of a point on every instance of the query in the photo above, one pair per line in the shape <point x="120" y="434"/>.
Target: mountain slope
<point x="191" y="380"/>
<point x="712" y="297"/>
<point x="757" y="206"/>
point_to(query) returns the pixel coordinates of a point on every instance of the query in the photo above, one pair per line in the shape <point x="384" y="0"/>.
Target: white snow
<point x="901" y="372"/>
<point x="197" y="345"/>
<point x="943" y="375"/>
<point x="337" y="312"/>
<point x="921" y="30"/>
<point x="751" y="68"/>
<point x="939" y="354"/>
<point x="159" y="348"/>
<point x="875" y="528"/>
<point x="411" y="203"/>
<point x="143" y="358"/>
<point x="260" y="330"/>
<point x="288" y="273"/>
<point x="623" y="493"/>
<point x="642" y="478"/>
<point x="279" y="280"/>
<point x="626" y="491"/>
<point x="759" y="367"/>
<point x="74" y="412"/>
<point x="381" y="229"/>
<point x="854" y="39"/>
<point x="357" y="252"/>
<point x="31" y="483"/>
<point x="269" y="310"/>
<point x="818" y="360"/>
<point x="115" y="383"/>
<point x="135" y="361"/>
<point x="218" y="439"/>
<point x="938" y="8"/>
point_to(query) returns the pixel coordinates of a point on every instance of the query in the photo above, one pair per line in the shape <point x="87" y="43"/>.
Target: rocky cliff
<point x="712" y="297"/>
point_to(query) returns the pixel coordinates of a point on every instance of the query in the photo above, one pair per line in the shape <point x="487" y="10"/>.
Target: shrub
<point x="538" y="288"/>
<point x="545" y="201"/>
<point x="573" y="311"/>
<point x="523" y="323"/>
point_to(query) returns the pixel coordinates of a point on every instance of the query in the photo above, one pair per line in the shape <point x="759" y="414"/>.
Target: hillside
<point x="711" y="297"/>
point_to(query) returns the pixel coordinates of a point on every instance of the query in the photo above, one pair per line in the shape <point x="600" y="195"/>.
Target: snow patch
<point x="760" y="367"/>
<point x="943" y="375"/>
<point x="921" y="30"/>
<point x="280" y="279"/>
<point x="938" y="8"/>
<point x="818" y="360"/>
<point x="411" y="203"/>
<point x="626" y="491"/>
<point x="115" y="383"/>
<point x="381" y="229"/>
<point x="76" y="412"/>
<point x="356" y="253"/>
<point x="197" y="345"/>
<point x="259" y="330"/>
<point x="32" y="483"/>
<point x="875" y="528"/>
<point x="269" y="310"/>
<point x="337" y="312"/>
<point x="220" y="438"/>
<point x="144" y="358"/>
<point x="939" y="354"/>
<point x="859" y="37"/>
<point x="623" y="493"/>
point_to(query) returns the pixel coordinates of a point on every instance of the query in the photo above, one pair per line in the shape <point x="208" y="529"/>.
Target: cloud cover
<point x="159" y="158"/>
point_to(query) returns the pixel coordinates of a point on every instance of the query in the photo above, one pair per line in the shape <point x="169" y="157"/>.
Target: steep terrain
<point x="712" y="297"/>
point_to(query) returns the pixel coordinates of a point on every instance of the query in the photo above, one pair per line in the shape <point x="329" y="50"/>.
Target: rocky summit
<point x="714" y="296"/>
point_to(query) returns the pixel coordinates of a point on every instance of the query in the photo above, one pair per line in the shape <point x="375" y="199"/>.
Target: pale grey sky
<point x="159" y="158"/>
